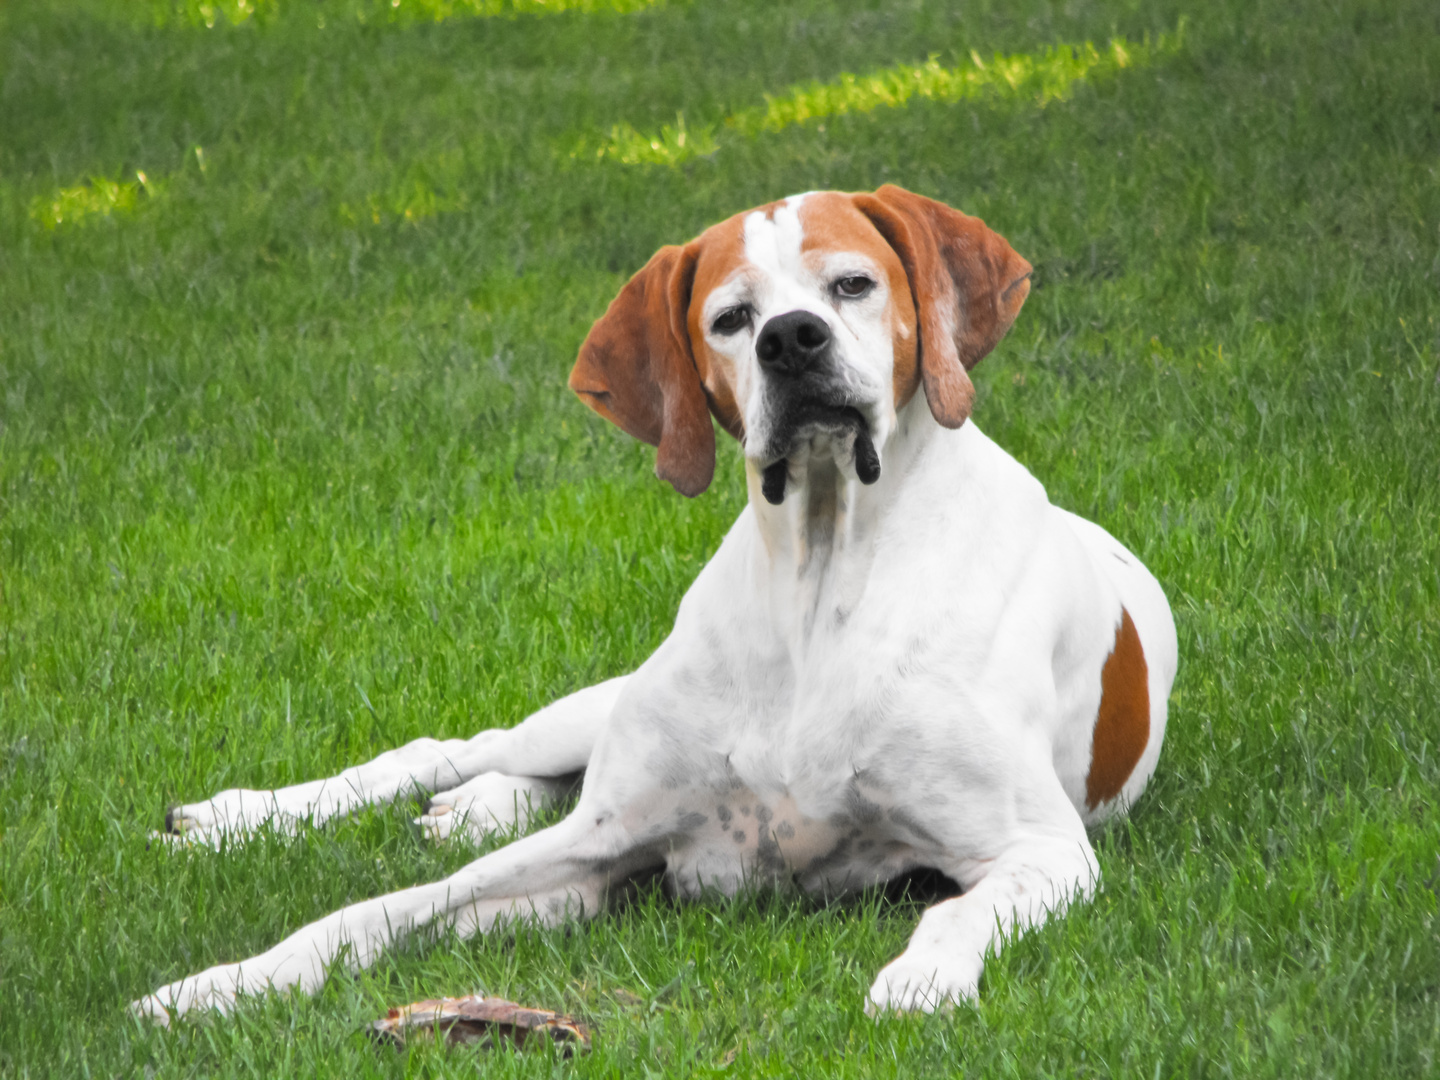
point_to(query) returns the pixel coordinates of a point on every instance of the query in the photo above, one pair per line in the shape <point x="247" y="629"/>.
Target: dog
<point x="902" y="655"/>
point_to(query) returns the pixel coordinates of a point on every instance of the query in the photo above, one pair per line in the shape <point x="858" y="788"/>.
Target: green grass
<point x="289" y="475"/>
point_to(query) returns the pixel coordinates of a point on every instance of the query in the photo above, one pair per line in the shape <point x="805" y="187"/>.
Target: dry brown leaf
<point x="475" y="1019"/>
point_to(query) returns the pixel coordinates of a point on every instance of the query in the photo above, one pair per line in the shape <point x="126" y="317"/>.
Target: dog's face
<point x="803" y="331"/>
<point x="803" y="326"/>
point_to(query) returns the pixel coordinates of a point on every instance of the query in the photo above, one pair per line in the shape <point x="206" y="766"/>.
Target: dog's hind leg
<point x="552" y="743"/>
<point x="535" y="764"/>
<point x="558" y="873"/>
<point x="492" y="802"/>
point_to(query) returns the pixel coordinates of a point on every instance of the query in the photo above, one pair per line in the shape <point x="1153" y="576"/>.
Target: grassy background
<point x="289" y="475"/>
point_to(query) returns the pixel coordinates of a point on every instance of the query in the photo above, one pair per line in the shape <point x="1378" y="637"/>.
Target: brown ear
<point x="967" y="283"/>
<point x="637" y="370"/>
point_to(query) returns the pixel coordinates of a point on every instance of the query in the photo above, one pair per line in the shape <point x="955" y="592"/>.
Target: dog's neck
<point x="820" y="541"/>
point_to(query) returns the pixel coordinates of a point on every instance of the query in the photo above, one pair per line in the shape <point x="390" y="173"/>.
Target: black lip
<point x="772" y="481"/>
<point x="810" y="416"/>
<point x="867" y="458"/>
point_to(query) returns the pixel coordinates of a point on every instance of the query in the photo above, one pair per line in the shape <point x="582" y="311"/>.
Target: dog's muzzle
<point x="795" y="351"/>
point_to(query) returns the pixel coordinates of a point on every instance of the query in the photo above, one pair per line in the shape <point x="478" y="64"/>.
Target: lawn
<point x="289" y="475"/>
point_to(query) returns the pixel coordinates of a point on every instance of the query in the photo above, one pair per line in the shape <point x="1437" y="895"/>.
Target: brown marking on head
<point x="968" y="285"/>
<point x="1122" y="728"/>
<point x="721" y="251"/>
<point x="833" y="222"/>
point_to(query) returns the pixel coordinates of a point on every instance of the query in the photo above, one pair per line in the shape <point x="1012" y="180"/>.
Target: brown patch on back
<point x="1123" y="727"/>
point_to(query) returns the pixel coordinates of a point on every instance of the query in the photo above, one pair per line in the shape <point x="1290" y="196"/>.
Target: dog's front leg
<point x="1032" y="880"/>
<point x="557" y="873"/>
<point x="555" y="741"/>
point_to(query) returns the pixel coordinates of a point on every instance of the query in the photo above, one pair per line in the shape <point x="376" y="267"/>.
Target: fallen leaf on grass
<point x="474" y="1019"/>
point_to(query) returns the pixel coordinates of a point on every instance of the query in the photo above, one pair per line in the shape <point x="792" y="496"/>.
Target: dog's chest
<point x="818" y="726"/>
<point x="803" y="793"/>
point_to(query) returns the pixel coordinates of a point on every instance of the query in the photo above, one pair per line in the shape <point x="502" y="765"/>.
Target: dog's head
<point x="819" y="316"/>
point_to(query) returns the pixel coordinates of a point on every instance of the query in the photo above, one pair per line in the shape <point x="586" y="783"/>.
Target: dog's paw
<point x="923" y="984"/>
<point x="491" y="802"/>
<point x="177" y="841"/>
<point x="234" y="815"/>
<point x="214" y="989"/>
<point x="440" y="821"/>
<point x="473" y="810"/>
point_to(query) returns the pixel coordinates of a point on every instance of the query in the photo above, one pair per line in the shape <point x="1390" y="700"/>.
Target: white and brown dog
<point x="902" y="655"/>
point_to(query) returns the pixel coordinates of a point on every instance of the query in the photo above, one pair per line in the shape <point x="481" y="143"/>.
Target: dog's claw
<point x="439" y="822"/>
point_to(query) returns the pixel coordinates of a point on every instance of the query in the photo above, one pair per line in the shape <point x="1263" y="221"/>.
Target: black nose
<point x="792" y="343"/>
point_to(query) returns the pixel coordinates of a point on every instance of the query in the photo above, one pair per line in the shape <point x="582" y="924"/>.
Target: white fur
<point x="863" y="681"/>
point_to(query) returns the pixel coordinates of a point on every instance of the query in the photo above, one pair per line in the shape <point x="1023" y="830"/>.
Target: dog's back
<point x="1136" y="680"/>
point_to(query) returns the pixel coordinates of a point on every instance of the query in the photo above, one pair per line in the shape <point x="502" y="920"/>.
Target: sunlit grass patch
<point x="674" y="144"/>
<point x="427" y="187"/>
<point x="445" y="9"/>
<point x="97" y="197"/>
<point x="412" y="202"/>
<point x="1043" y="77"/>
<point x="209" y="13"/>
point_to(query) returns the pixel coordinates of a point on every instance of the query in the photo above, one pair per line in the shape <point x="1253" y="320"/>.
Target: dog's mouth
<point x="842" y="422"/>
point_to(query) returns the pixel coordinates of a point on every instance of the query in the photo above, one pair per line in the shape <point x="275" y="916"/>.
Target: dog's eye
<point x="853" y="287"/>
<point x="731" y="320"/>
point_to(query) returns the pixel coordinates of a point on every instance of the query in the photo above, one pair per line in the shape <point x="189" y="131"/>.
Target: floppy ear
<point x="637" y="370"/>
<point x="967" y="284"/>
